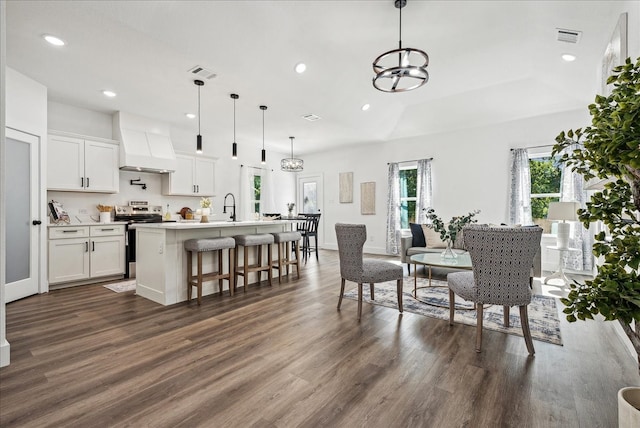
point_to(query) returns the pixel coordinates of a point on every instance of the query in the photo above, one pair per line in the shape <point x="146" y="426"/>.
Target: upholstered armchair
<point x="353" y="267"/>
<point x="501" y="258"/>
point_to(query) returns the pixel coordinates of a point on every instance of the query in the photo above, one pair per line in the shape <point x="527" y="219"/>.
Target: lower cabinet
<point x="85" y="252"/>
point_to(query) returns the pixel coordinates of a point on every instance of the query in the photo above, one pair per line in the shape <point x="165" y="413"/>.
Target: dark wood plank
<point x="282" y="355"/>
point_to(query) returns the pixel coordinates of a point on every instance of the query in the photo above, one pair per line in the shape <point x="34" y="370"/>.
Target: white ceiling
<point x="490" y="62"/>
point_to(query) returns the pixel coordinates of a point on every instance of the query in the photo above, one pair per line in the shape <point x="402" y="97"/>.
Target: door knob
<point x="36" y="222"/>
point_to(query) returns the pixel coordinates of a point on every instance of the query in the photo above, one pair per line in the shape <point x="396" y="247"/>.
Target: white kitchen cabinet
<point x="80" y="164"/>
<point x="81" y="253"/>
<point x="194" y="176"/>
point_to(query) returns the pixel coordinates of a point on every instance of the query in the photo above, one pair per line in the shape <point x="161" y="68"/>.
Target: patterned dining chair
<point x="501" y="258"/>
<point x="355" y="268"/>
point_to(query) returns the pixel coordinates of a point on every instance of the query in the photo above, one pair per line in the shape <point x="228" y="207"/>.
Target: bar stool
<point x="200" y="246"/>
<point x="248" y="241"/>
<point x="284" y="241"/>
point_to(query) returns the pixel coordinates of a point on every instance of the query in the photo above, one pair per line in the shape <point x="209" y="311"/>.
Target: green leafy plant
<point x="610" y="149"/>
<point x="449" y="232"/>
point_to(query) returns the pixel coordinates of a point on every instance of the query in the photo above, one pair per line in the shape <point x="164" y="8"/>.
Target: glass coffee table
<point x="430" y="260"/>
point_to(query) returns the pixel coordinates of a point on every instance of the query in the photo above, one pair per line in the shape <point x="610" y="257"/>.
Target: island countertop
<point x="190" y="225"/>
<point x="161" y="262"/>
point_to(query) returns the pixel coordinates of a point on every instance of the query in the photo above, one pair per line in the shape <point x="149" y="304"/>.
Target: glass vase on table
<point x="448" y="253"/>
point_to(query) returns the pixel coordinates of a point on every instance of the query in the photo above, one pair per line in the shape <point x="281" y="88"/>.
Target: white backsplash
<point x="81" y="206"/>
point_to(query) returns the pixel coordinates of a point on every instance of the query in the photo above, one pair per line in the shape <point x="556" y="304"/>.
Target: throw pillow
<point x="432" y="237"/>
<point x="418" y="235"/>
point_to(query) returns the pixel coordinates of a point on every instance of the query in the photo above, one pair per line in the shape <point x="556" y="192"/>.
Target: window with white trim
<point x="546" y="173"/>
<point x="408" y="195"/>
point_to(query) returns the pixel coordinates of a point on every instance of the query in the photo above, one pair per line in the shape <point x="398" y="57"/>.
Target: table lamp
<point x="565" y="211"/>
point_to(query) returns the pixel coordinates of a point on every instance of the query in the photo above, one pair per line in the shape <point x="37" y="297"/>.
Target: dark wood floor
<point x="284" y="357"/>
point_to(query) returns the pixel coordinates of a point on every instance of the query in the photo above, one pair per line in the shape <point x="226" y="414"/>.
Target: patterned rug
<point x="543" y="314"/>
<point x="121" y="287"/>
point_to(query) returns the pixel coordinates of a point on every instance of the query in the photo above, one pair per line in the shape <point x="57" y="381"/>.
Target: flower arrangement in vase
<point x="449" y="232"/>
<point x="205" y="205"/>
<point x="290" y="207"/>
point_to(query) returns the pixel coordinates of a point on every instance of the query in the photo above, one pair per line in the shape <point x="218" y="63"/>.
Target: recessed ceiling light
<point x="109" y="94"/>
<point x="365" y="107"/>
<point x="568" y="57"/>
<point x="53" y="40"/>
<point x="190" y="115"/>
<point x="300" y="67"/>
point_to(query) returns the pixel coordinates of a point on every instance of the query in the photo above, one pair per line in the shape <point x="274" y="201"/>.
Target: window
<point x="408" y="196"/>
<point x="546" y="174"/>
<point x="256" y="182"/>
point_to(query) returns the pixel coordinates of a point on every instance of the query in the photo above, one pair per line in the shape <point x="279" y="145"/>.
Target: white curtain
<point x="267" y="198"/>
<point x="520" y="190"/>
<point x="424" y="190"/>
<point x="572" y="189"/>
<point x="246" y="188"/>
<point x="393" y="209"/>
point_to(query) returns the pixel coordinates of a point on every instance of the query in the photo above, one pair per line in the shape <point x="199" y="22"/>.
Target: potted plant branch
<point x="610" y="149"/>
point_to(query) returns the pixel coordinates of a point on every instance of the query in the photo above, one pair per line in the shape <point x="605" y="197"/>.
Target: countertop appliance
<point x="135" y="212"/>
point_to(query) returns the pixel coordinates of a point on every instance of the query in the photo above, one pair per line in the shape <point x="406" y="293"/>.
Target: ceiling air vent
<point x="202" y="72"/>
<point x="311" y="117"/>
<point x="568" y="36"/>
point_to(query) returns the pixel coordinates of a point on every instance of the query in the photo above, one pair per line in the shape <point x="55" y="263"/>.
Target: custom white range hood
<point x="145" y="144"/>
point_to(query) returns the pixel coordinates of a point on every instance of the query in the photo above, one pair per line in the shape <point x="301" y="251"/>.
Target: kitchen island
<point x="161" y="262"/>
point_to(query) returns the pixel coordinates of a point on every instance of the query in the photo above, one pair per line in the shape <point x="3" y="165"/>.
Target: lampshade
<point x="567" y="211"/>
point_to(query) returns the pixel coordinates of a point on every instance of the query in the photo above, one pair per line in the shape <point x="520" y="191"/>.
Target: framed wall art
<point x="346" y="187"/>
<point x="368" y="198"/>
<point x="615" y="53"/>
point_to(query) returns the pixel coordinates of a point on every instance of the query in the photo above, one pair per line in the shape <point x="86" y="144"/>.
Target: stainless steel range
<point x="135" y="212"/>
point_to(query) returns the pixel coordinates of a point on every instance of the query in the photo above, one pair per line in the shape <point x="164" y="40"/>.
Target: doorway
<point x="23" y="225"/>
<point x="310" y="199"/>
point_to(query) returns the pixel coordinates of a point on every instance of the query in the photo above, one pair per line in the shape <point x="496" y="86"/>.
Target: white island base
<point x="161" y="261"/>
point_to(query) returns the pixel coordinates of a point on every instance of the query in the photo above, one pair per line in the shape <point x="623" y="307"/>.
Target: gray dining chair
<point x="355" y="268"/>
<point x="501" y="258"/>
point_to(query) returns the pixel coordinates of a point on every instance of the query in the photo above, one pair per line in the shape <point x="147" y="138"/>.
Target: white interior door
<point x="310" y="199"/>
<point x="22" y="215"/>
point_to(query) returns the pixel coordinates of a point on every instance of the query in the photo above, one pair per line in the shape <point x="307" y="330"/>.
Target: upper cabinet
<point x="194" y="176"/>
<point x="81" y="164"/>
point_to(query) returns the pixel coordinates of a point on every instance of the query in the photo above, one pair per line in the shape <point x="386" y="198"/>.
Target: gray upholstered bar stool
<point x="200" y="246"/>
<point x="248" y="241"/>
<point x="284" y="240"/>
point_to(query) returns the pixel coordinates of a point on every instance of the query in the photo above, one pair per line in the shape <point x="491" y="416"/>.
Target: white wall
<point x="4" y="344"/>
<point x="470" y="170"/>
<point x="26" y="110"/>
<point x="81" y="121"/>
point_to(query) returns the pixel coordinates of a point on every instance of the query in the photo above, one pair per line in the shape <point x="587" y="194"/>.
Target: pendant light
<point x="234" y="150"/>
<point x="198" y="83"/>
<point x="291" y="164"/>
<point x="264" y="152"/>
<point x="394" y="69"/>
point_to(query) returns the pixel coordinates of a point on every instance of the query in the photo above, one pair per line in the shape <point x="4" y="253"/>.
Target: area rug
<point x="543" y="314"/>
<point x="121" y="287"/>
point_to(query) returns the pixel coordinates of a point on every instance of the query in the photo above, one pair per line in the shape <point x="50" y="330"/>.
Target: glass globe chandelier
<point x="292" y="164"/>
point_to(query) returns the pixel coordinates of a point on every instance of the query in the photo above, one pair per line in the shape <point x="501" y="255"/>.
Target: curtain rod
<point x="534" y="147"/>
<point x="411" y="160"/>
<point x="254" y="167"/>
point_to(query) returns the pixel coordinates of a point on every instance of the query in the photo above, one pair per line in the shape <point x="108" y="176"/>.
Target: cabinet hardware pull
<point x="198" y="187"/>
<point x="106" y="230"/>
<point x="82" y="182"/>
<point x="87" y="182"/>
<point x="93" y="245"/>
<point x="70" y="231"/>
<point x="86" y="246"/>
